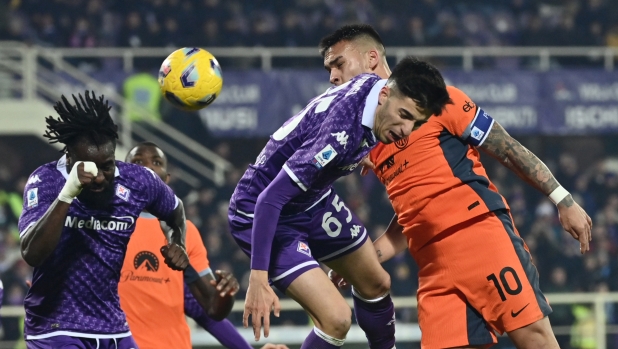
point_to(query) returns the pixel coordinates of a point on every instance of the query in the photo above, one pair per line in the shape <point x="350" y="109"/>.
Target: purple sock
<point x="224" y="332"/>
<point x="320" y="340"/>
<point x="377" y="318"/>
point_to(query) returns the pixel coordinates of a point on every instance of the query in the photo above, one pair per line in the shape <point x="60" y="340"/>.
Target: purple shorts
<point x="67" y="342"/>
<point x="326" y="231"/>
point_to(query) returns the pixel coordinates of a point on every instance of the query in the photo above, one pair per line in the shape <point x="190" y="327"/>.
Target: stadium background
<point x="543" y="68"/>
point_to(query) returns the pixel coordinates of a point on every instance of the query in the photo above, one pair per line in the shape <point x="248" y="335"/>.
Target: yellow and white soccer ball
<point x="190" y="78"/>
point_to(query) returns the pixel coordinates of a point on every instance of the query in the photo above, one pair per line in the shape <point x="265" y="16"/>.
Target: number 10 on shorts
<point x="504" y="284"/>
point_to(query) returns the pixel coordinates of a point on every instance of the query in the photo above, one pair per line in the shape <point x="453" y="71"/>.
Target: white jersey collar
<point x="372" y="103"/>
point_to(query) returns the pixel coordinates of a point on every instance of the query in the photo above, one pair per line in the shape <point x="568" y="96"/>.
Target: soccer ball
<point x="190" y="78"/>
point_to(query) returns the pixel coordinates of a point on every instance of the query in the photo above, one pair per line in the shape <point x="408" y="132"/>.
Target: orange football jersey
<point x="434" y="178"/>
<point x="152" y="294"/>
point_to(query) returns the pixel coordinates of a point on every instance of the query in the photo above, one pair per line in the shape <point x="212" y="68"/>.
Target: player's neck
<point x="383" y="71"/>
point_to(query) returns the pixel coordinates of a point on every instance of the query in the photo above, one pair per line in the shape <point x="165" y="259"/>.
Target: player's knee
<point x="338" y="322"/>
<point x="374" y="287"/>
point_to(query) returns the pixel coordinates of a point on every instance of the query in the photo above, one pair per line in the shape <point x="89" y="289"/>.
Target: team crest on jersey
<point x="33" y="197"/>
<point x="303" y="248"/>
<point x="402" y="143"/>
<point x="326" y="155"/>
<point x="122" y="192"/>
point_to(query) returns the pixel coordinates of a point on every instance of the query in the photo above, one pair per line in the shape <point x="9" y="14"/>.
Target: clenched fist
<point x="175" y="256"/>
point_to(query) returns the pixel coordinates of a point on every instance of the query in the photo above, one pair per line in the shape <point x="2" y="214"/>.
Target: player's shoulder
<point x="49" y="172"/>
<point x="461" y="104"/>
<point x="136" y="178"/>
<point x="50" y="169"/>
<point x="355" y="87"/>
<point x="133" y="172"/>
<point x="348" y="99"/>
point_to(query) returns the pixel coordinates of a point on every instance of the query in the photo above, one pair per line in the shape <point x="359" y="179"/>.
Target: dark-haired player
<point x="285" y="214"/>
<point x="476" y="275"/>
<point x="156" y="299"/>
<point x="79" y="213"/>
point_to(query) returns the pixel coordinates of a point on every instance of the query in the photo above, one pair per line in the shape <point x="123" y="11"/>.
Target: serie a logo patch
<point x="325" y="156"/>
<point x="33" y="197"/>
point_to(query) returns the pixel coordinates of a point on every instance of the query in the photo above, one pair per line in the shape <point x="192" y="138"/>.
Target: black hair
<point x="88" y="119"/>
<point x="422" y="82"/>
<point x="350" y="33"/>
<point x="146" y="144"/>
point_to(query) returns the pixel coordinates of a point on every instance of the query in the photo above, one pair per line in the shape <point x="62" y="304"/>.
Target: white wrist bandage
<point x="558" y="195"/>
<point x="73" y="187"/>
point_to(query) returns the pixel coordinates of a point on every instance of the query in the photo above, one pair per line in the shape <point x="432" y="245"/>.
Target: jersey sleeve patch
<point x="324" y="156"/>
<point x="478" y="130"/>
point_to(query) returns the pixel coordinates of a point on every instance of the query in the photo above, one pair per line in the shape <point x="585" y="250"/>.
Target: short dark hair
<point x="422" y="82"/>
<point x="145" y="144"/>
<point x="88" y="119"/>
<point x="350" y="33"/>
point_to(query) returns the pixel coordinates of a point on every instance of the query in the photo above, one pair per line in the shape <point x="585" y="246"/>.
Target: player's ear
<point x="167" y="178"/>
<point x="373" y="58"/>
<point x="384" y="93"/>
<point x="69" y="156"/>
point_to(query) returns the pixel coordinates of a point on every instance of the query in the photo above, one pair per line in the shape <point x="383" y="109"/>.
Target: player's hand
<point x="260" y="300"/>
<point x="82" y="174"/>
<point x="226" y="283"/>
<point x="576" y="222"/>
<point x="175" y="256"/>
<point x="366" y="165"/>
<point x="338" y="280"/>
<point x="274" y="346"/>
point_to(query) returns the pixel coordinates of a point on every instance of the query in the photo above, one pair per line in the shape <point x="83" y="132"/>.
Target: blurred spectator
<point x="82" y="35"/>
<point x="143" y="97"/>
<point x="303" y="22"/>
<point x="417" y="35"/>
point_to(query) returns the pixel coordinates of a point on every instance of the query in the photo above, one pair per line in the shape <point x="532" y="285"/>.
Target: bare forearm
<point x="217" y="307"/>
<point x="500" y="145"/>
<point x="391" y="243"/>
<point x="177" y="222"/>
<point x="41" y="239"/>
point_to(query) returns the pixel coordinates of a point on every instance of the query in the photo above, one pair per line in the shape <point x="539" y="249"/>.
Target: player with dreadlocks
<point x="77" y="247"/>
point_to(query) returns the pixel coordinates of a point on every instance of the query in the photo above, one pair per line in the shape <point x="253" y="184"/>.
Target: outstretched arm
<point x="501" y="146"/>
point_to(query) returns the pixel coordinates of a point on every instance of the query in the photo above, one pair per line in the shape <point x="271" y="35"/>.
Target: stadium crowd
<point x="208" y="23"/>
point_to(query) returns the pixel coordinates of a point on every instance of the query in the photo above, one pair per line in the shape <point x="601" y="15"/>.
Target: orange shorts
<point x="476" y="278"/>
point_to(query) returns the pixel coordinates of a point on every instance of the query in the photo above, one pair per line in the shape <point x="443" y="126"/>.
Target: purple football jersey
<point x="76" y="288"/>
<point x="323" y="142"/>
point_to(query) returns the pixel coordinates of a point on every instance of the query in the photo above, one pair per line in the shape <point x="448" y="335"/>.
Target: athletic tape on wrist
<point x="558" y="195"/>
